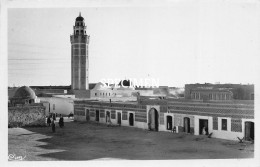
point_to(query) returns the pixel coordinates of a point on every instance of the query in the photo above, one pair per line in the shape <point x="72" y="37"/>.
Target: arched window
<point x="77" y="32"/>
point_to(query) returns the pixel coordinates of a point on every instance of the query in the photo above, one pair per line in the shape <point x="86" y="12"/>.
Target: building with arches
<point x="219" y="119"/>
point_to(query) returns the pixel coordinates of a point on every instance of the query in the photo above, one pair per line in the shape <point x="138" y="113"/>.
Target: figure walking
<point x="53" y="125"/>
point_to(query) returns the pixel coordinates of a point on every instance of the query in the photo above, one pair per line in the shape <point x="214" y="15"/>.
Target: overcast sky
<point x="177" y="43"/>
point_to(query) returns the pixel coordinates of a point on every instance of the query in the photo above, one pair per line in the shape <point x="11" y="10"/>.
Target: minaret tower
<point x="79" y="55"/>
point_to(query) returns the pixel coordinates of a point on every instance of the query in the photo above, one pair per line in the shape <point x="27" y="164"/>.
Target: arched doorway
<point x="153" y="119"/>
<point x="169" y="122"/>
<point x="249" y="131"/>
<point x="186" y="123"/>
<point x="87" y="114"/>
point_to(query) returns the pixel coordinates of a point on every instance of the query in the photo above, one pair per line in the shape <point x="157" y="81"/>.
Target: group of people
<point x="52" y="118"/>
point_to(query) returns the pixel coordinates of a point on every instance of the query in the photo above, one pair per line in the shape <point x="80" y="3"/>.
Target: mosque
<point x="217" y="110"/>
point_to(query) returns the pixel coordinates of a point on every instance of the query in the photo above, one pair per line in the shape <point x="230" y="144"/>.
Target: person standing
<point x="49" y="121"/>
<point x="53" y="125"/>
<point x="61" y="122"/>
<point x="54" y="116"/>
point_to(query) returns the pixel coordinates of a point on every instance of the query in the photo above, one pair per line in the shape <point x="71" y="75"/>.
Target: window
<point x="223" y="96"/>
<point x="197" y="96"/>
<point x="224" y="124"/>
<point x="227" y="96"/>
<point x="53" y="106"/>
<point x="95" y="94"/>
<point x="192" y="96"/>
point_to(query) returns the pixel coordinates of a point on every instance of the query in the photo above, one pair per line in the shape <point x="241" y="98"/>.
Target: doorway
<point x="203" y="125"/>
<point x="131" y="119"/>
<point x="186" y="124"/>
<point x="153" y="119"/>
<point x="119" y="118"/>
<point x="87" y="115"/>
<point x="107" y="116"/>
<point x="169" y="122"/>
<point x="249" y="131"/>
<point x="97" y="115"/>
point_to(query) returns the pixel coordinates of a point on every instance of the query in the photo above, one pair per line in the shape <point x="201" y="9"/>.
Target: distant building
<point x="222" y="92"/>
<point x="103" y="91"/>
<point x="58" y="104"/>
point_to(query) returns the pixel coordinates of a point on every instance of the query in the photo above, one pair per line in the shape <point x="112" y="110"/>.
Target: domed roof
<point x="25" y="92"/>
<point x="79" y="18"/>
<point x="100" y="86"/>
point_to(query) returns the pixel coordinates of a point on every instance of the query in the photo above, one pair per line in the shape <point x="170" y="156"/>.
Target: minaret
<point x="79" y="55"/>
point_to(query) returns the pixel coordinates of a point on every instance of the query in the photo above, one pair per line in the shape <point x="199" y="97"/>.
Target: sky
<point x="177" y="43"/>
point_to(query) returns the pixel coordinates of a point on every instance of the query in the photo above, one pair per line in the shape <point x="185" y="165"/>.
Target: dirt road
<point x="92" y="141"/>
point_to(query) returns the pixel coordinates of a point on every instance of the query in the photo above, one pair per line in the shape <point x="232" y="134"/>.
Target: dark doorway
<point x="119" y="118"/>
<point x="131" y="119"/>
<point x="107" y="116"/>
<point x="203" y="125"/>
<point x="186" y="125"/>
<point x="169" y="122"/>
<point x="97" y="115"/>
<point x="87" y="114"/>
<point x="153" y="119"/>
<point x="249" y="131"/>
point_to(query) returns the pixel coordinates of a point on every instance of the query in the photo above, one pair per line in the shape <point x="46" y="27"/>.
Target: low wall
<point x="26" y="116"/>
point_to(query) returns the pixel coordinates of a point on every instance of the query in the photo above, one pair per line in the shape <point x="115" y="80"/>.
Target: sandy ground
<point x="93" y="141"/>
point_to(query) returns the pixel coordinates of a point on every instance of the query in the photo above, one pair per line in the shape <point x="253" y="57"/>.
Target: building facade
<point x="221" y="120"/>
<point x="79" y="56"/>
<point x="58" y="104"/>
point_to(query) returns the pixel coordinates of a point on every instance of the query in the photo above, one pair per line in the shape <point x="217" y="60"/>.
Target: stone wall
<point x="27" y="115"/>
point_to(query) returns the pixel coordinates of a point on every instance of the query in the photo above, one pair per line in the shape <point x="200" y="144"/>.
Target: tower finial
<point x="79" y="14"/>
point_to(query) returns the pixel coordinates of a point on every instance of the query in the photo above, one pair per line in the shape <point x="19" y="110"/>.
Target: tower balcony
<point x="79" y="39"/>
